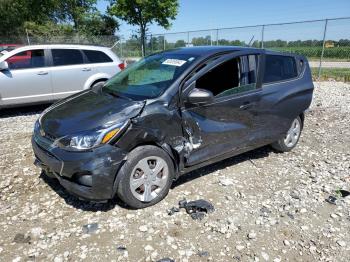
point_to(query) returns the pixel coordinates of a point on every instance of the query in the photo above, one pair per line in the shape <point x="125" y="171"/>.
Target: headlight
<point x="90" y="139"/>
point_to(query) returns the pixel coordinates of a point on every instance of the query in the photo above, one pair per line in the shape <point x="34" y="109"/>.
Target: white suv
<point x="45" y="73"/>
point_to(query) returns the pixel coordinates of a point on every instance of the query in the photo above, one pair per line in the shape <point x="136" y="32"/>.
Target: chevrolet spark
<point x="168" y="114"/>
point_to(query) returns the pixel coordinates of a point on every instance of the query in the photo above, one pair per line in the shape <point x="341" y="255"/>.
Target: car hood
<point x="87" y="111"/>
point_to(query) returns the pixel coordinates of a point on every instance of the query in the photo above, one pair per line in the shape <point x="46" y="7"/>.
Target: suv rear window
<point x="279" y="68"/>
<point x="97" y="56"/>
<point x="63" y="57"/>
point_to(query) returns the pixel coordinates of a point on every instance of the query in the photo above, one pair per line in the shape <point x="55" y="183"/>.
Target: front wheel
<point x="146" y="177"/>
<point x="291" y="139"/>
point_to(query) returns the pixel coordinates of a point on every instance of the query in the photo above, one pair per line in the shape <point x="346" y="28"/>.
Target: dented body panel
<point x="194" y="135"/>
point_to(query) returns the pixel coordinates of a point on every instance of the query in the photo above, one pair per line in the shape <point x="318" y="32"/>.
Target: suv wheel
<point x="291" y="138"/>
<point x="98" y="84"/>
<point x="146" y="177"/>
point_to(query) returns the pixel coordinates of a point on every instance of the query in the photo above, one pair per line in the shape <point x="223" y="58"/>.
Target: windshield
<point x="149" y="77"/>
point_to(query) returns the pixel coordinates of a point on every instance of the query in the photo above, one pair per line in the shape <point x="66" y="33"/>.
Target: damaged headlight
<point x="90" y="139"/>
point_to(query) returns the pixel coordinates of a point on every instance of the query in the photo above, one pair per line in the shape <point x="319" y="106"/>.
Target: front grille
<point x="50" y="137"/>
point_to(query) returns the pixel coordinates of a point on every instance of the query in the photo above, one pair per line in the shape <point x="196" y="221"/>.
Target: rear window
<point x="63" y="57"/>
<point x="97" y="56"/>
<point x="279" y="68"/>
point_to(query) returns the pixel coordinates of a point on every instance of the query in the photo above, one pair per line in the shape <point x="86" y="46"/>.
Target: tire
<point x="291" y="139"/>
<point x="98" y="84"/>
<point x="139" y="185"/>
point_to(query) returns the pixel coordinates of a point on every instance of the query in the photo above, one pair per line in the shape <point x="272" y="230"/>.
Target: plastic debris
<point x="173" y="210"/>
<point x="203" y="253"/>
<point x="167" y="259"/>
<point x="331" y="200"/>
<point x="197" y="209"/>
<point x="90" y="228"/>
<point x="343" y="193"/>
<point x="340" y="193"/>
<point x="21" y="239"/>
<point x="121" y="249"/>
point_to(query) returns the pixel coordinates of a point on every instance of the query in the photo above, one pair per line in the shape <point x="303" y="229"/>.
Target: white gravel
<point x="268" y="206"/>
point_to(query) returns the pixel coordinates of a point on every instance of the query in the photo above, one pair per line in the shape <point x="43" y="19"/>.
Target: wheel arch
<point x="94" y="79"/>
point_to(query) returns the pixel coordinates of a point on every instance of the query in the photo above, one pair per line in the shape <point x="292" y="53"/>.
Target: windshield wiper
<point x="116" y="94"/>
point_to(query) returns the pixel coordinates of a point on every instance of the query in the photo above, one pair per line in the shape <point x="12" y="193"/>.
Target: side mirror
<point x="200" y="96"/>
<point x="4" y="65"/>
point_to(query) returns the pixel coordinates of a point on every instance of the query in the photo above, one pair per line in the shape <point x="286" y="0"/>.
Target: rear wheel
<point x="291" y="139"/>
<point x="98" y="84"/>
<point x="145" y="177"/>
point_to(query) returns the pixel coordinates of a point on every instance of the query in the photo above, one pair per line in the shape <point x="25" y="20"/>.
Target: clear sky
<point x="205" y="14"/>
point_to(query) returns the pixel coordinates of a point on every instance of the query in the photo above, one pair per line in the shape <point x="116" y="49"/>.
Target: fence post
<point x="262" y="35"/>
<point x="323" y="46"/>
<point x="121" y="48"/>
<point x="27" y="37"/>
<point x="188" y="38"/>
<point x="163" y="42"/>
<point x="217" y="36"/>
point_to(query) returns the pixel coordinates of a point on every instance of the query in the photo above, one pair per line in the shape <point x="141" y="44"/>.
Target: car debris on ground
<point x="197" y="209"/>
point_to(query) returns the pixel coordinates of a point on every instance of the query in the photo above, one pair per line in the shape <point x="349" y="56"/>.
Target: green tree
<point x="14" y="13"/>
<point x="48" y="19"/>
<point x="75" y="11"/>
<point x="97" y="25"/>
<point x="142" y="13"/>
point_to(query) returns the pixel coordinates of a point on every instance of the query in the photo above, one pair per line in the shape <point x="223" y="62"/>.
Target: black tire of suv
<point x="97" y="84"/>
<point x="123" y="188"/>
<point x="281" y="146"/>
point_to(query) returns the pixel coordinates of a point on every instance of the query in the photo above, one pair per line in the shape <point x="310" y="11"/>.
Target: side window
<point x="27" y="59"/>
<point x="235" y="76"/>
<point x="97" y="56"/>
<point x="62" y="57"/>
<point x="279" y="68"/>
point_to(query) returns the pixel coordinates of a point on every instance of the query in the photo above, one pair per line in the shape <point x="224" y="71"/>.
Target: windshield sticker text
<point x="174" y="62"/>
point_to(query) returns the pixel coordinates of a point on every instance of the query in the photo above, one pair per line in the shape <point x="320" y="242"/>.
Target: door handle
<point x="41" y="73"/>
<point x="246" y="105"/>
<point x="86" y="69"/>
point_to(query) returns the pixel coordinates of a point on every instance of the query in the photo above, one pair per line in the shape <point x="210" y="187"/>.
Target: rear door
<point x="69" y="72"/>
<point x="228" y="123"/>
<point x="286" y="92"/>
<point x="99" y="62"/>
<point x="27" y="80"/>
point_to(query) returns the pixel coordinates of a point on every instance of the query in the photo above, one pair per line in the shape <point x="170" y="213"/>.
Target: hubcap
<point x="148" y="178"/>
<point x="293" y="134"/>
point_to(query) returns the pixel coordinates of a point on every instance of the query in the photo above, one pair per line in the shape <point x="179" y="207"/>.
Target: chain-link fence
<point x="326" y="42"/>
<point x="124" y="48"/>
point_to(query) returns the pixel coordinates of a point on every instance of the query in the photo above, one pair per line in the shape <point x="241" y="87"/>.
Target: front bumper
<point x="101" y="163"/>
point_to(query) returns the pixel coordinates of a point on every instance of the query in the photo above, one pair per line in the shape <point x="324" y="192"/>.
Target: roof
<point x="205" y="50"/>
<point x="60" y="46"/>
<point x="212" y="50"/>
<point x="64" y="46"/>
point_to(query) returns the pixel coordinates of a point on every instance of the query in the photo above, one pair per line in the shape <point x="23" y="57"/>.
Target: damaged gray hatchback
<point x="168" y="114"/>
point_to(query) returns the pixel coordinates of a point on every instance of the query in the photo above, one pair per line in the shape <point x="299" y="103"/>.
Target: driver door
<point x="227" y="124"/>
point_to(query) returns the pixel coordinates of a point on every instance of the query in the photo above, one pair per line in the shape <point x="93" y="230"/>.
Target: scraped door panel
<point x="228" y="123"/>
<point x="219" y="128"/>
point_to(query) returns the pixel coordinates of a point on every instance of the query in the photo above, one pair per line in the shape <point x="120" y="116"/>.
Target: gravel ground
<point x="268" y="206"/>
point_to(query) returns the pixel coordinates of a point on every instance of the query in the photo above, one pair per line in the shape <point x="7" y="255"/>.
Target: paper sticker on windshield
<point x="174" y="62"/>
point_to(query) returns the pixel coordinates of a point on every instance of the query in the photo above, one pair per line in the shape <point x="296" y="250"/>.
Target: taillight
<point x="122" y="66"/>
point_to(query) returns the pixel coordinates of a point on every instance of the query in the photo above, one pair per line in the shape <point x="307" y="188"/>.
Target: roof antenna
<point x="251" y="40"/>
